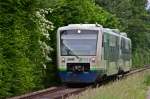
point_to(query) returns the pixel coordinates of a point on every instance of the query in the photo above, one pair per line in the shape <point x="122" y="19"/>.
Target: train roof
<point x="110" y="31"/>
<point x="81" y="26"/>
<point x="115" y="32"/>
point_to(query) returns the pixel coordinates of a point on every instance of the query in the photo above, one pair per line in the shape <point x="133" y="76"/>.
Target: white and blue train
<point x="88" y="52"/>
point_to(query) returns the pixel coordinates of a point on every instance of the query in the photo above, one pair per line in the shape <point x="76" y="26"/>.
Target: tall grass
<point x="140" y="57"/>
<point x="147" y="80"/>
<point x="133" y="87"/>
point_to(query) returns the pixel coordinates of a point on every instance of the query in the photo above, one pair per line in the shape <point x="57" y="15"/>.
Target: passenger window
<point x="112" y="41"/>
<point x="105" y="38"/>
<point x="127" y="45"/>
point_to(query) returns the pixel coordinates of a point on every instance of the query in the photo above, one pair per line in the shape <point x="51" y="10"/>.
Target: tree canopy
<point x="21" y="54"/>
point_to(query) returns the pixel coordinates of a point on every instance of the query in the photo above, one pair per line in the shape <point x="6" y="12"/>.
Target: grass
<point x="133" y="87"/>
<point x="147" y="80"/>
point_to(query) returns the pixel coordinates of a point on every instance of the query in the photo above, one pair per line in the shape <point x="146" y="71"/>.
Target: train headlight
<point x="63" y="60"/>
<point x="79" y="31"/>
<point x="93" y="60"/>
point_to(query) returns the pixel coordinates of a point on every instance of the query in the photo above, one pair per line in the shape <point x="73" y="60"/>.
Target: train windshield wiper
<point x="70" y="52"/>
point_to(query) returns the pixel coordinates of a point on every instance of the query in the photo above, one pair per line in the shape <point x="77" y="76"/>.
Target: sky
<point x="148" y="6"/>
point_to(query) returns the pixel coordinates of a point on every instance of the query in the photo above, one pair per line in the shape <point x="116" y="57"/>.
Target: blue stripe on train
<point x="83" y="77"/>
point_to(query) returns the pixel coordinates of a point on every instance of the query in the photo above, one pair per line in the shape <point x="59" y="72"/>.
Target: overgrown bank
<point x="133" y="87"/>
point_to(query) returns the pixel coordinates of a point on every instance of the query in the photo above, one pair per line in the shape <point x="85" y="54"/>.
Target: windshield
<point x="78" y="42"/>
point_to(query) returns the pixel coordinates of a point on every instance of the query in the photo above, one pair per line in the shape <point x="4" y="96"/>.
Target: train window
<point x="73" y="43"/>
<point x="130" y="45"/>
<point x="126" y="49"/>
<point x="111" y="47"/>
<point x="106" y="46"/>
<point x="123" y="44"/>
<point x="114" y="48"/>
<point x="127" y="45"/>
<point x="105" y="37"/>
<point x="112" y="41"/>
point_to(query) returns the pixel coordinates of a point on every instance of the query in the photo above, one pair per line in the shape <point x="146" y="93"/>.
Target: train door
<point x="111" y="53"/>
<point x="126" y="54"/>
<point x="105" y="47"/>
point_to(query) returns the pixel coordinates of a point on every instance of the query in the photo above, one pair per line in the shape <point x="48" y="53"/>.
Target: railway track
<point x="133" y="71"/>
<point x="63" y="92"/>
<point x="51" y="93"/>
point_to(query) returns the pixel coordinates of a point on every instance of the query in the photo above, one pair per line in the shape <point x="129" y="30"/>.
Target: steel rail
<point x="38" y="93"/>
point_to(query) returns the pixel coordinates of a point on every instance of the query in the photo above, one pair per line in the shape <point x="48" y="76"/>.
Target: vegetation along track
<point x="63" y="92"/>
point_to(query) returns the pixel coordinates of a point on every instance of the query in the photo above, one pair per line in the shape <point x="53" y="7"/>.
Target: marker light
<point x="93" y="60"/>
<point x="63" y="60"/>
<point x="79" y="31"/>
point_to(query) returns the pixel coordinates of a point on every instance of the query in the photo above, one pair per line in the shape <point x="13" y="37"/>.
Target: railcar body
<point x="87" y="52"/>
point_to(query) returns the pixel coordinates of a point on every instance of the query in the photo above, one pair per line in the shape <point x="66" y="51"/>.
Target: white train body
<point x="87" y="52"/>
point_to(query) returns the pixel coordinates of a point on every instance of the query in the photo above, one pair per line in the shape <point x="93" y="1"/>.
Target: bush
<point x="85" y="11"/>
<point x="140" y="57"/>
<point x="147" y="80"/>
<point x="24" y="50"/>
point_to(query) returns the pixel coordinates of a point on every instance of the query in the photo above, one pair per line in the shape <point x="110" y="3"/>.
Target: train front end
<point x="77" y="53"/>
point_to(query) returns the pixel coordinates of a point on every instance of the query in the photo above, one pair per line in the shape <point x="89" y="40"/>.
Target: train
<point x="87" y="53"/>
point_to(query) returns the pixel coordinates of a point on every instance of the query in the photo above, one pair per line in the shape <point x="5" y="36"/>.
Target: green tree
<point x="23" y="49"/>
<point x="82" y="11"/>
<point x="135" y="21"/>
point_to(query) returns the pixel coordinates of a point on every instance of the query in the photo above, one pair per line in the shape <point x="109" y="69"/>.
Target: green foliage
<point x="82" y="11"/>
<point x="22" y="54"/>
<point x="140" y="57"/>
<point x="147" y="80"/>
<point x="135" y="21"/>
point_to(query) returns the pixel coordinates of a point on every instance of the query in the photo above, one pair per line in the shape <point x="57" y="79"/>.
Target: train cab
<point x="78" y="49"/>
